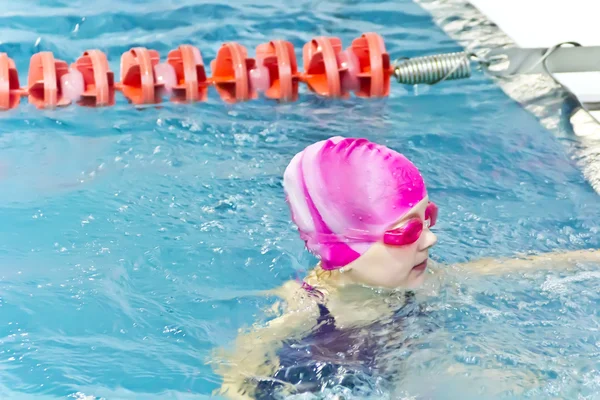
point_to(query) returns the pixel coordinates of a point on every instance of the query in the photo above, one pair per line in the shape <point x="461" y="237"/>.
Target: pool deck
<point x="543" y="23"/>
<point x="482" y="25"/>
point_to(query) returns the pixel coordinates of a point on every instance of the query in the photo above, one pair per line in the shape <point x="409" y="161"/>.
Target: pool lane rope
<point x="363" y="69"/>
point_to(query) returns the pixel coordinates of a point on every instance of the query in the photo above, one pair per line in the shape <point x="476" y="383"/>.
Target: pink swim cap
<point x="341" y="186"/>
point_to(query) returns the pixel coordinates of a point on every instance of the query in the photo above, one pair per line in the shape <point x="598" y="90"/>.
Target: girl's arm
<point x="253" y="356"/>
<point x="528" y="262"/>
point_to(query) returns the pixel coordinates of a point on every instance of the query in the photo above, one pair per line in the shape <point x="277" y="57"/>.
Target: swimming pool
<point x="133" y="242"/>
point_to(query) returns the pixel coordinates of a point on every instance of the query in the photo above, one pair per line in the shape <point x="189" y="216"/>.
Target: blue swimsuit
<point x="330" y="356"/>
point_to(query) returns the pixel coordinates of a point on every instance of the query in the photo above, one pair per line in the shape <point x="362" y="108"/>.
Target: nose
<point x="428" y="239"/>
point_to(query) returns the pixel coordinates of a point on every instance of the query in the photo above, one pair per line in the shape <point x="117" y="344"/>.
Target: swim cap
<point x="340" y="186"/>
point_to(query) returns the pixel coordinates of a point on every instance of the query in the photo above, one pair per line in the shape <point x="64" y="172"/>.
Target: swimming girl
<point x="363" y="210"/>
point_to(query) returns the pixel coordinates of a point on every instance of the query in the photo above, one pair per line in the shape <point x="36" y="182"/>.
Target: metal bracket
<point x="557" y="59"/>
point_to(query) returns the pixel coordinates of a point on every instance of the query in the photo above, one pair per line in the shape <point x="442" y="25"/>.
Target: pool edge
<point x="540" y="95"/>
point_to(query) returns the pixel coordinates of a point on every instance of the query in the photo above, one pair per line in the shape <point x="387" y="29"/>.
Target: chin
<point x="417" y="279"/>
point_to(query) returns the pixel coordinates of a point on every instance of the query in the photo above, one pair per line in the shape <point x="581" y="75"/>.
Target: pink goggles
<point x="411" y="230"/>
<point x="408" y="233"/>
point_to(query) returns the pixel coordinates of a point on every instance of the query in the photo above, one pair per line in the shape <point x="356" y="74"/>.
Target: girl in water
<point x="363" y="210"/>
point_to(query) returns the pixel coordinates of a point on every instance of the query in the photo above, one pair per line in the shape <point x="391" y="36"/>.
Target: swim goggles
<point x="411" y="230"/>
<point x="408" y="233"/>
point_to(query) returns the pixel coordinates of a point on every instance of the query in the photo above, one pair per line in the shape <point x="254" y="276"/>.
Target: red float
<point x="330" y="71"/>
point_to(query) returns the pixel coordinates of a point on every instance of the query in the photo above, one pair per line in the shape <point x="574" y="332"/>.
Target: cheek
<point x="386" y="266"/>
<point x="403" y="257"/>
<point x="401" y="261"/>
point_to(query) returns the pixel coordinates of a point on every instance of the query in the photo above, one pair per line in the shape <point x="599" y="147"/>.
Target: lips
<point x="420" y="267"/>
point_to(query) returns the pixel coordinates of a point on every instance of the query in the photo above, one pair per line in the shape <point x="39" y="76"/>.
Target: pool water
<point x="133" y="242"/>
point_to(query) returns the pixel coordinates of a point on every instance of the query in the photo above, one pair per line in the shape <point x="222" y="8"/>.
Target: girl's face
<point x="396" y="265"/>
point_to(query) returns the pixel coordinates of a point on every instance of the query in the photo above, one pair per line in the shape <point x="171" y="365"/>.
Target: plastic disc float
<point x="329" y="70"/>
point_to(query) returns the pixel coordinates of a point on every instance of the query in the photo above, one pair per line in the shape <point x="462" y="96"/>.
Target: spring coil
<point x="433" y="69"/>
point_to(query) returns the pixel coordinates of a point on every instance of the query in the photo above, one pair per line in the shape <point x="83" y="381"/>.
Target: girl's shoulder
<point x="299" y="295"/>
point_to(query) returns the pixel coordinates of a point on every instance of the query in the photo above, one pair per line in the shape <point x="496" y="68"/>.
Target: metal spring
<point x="433" y="69"/>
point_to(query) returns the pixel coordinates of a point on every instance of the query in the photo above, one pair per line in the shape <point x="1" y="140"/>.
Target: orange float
<point x="330" y="71"/>
<point x="279" y="59"/>
<point x="374" y="66"/>
<point x="43" y="81"/>
<point x="192" y="84"/>
<point x="138" y="83"/>
<point x="231" y="73"/>
<point x="98" y="79"/>
<point x="10" y="92"/>
<point x="321" y="67"/>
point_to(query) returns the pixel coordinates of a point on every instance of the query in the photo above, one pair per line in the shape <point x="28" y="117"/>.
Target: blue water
<point x="133" y="241"/>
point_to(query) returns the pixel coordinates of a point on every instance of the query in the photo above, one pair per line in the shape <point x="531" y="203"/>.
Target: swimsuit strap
<point x="313" y="291"/>
<point x="325" y="320"/>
